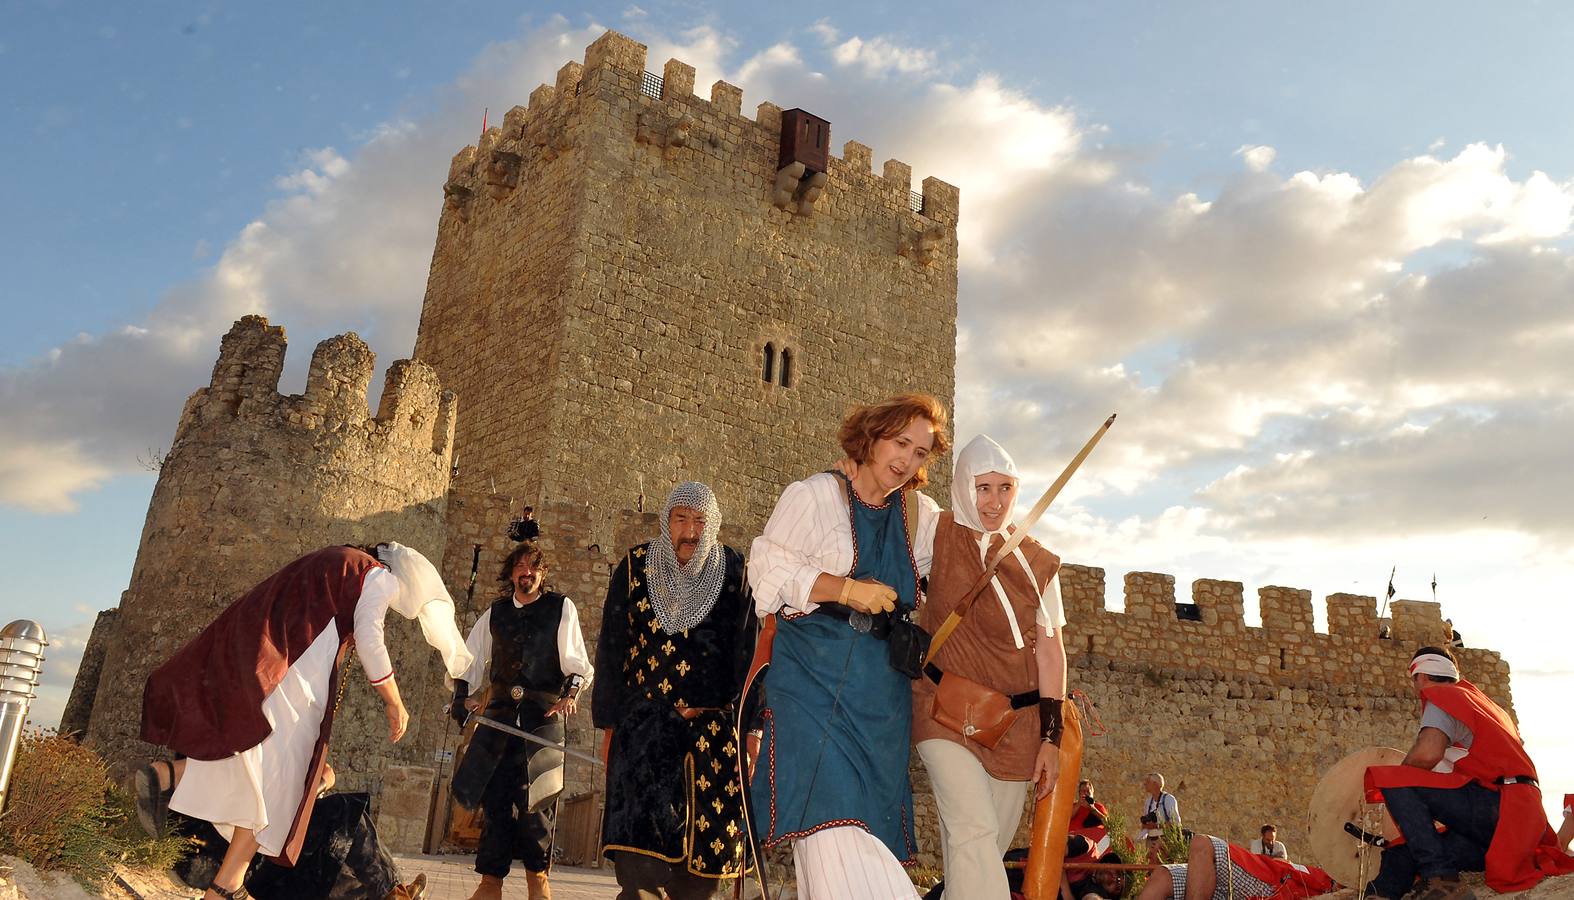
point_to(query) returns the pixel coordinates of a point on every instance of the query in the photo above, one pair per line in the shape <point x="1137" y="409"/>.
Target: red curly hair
<point x="866" y="424"/>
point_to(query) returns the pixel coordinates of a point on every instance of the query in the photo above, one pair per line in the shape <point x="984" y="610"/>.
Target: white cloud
<point x="1258" y="158"/>
<point x="345" y="247"/>
<point x="879" y="56"/>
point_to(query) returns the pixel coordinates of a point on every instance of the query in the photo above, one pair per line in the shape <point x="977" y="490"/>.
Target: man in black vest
<point x="530" y="653"/>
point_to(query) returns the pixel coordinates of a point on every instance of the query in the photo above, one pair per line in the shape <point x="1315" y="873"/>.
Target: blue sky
<point x="1316" y="254"/>
<point x="155" y="131"/>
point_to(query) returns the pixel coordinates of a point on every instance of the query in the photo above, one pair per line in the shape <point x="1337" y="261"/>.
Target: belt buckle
<point x="860" y="621"/>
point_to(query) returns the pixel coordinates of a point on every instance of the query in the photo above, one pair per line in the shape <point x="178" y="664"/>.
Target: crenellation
<point x="1285" y="609"/>
<point x="726" y="99"/>
<point x="899" y="175"/>
<point x="414" y="406"/>
<point x="513" y="128"/>
<point x="488" y="142"/>
<point x="1082" y="591"/>
<point x="251" y="360"/>
<point x="1222" y="604"/>
<point x="1352" y="615"/>
<point x="677" y="80"/>
<point x="1150" y="596"/>
<point x="462" y="167"/>
<point x="568" y="77"/>
<point x="540" y="97"/>
<point x="338" y="378"/>
<point x="769" y="116"/>
<point x="942" y="201"/>
<point x="859" y="157"/>
<point x="1419" y="621"/>
<point x="616" y="52"/>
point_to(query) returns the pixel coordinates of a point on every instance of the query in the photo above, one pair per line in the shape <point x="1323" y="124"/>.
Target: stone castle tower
<point x="631" y="287"/>
<point x="621" y="303"/>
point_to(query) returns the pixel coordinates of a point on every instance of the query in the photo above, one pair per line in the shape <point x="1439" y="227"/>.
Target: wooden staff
<point x="1046" y="855"/>
<point x="1016" y="538"/>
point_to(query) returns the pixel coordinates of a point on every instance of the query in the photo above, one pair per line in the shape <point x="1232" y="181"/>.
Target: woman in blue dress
<point x="838" y="560"/>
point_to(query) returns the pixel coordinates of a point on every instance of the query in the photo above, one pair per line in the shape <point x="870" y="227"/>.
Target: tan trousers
<point x="978" y="819"/>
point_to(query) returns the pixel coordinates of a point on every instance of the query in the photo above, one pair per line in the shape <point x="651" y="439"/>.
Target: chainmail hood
<point x="683" y="594"/>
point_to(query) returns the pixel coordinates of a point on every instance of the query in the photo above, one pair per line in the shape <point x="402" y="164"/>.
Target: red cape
<point x="1524" y="849"/>
<point x="206" y="701"/>
<point x="1295" y="881"/>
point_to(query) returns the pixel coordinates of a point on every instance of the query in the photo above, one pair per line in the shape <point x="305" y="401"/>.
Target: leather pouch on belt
<point x="976" y="712"/>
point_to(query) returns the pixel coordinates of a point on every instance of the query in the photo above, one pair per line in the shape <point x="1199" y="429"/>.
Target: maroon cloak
<point x="206" y="701"/>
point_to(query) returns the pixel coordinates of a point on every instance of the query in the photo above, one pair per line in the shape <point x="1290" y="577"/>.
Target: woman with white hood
<point x="248" y="704"/>
<point x="986" y="718"/>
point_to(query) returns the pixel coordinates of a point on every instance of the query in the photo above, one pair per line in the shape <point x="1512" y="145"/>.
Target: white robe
<point x="261" y="788"/>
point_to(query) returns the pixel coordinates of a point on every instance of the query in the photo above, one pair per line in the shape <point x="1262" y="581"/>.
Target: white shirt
<point x="810" y="532"/>
<point x="378" y="589"/>
<point x="1165" y="807"/>
<point x="1459" y="735"/>
<point x="571" y="654"/>
<point x="1275" y="850"/>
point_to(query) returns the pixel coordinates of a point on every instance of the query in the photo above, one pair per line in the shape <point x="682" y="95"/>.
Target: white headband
<point x="1432" y="664"/>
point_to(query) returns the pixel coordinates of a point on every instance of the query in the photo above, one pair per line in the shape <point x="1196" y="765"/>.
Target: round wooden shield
<point x="1340" y="801"/>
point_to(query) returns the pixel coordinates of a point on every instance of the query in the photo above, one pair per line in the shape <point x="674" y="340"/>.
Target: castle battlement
<point x="415" y="416"/>
<point x="682" y="126"/>
<point x="629" y="229"/>
<point x="1209" y="633"/>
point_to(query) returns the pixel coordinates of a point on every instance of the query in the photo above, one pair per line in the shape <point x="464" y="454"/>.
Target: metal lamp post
<point x="22" y="646"/>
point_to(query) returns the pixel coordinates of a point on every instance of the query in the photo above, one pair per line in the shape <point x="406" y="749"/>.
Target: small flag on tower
<point x="484" y="111"/>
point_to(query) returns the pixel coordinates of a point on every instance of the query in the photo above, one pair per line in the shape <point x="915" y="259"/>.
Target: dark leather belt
<point x="1018" y="701"/>
<point x="1519" y="779"/>
<point x="879" y="623"/>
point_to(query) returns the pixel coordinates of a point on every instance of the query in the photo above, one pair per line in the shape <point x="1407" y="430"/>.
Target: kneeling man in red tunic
<point x="1469" y="772"/>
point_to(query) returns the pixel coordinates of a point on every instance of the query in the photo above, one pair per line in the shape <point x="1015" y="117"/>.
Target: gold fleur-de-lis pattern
<point x="660" y="666"/>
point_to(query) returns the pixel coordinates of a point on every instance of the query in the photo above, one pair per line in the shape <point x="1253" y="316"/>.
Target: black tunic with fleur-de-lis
<point x="672" y="772"/>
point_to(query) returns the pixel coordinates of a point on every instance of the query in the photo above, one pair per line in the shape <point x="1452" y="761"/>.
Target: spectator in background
<point x="1151" y="837"/>
<point x="1088" y="813"/>
<point x="1160" y="802"/>
<point x="1269" y="844"/>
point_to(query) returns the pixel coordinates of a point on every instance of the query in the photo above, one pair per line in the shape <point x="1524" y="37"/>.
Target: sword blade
<point x="517" y="732"/>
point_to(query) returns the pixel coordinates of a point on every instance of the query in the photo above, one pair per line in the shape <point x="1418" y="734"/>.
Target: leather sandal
<point x="152" y="800"/>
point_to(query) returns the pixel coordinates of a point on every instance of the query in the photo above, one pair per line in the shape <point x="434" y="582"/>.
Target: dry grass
<point x="64" y="814"/>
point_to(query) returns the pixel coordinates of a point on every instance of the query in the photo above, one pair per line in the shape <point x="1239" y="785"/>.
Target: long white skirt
<point x="261" y="788"/>
<point x="848" y="863"/>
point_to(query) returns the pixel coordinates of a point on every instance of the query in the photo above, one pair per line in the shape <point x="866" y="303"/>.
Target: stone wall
<point x="1242" y="721"/>
<point x="254" y="479"/>
<point x="84" y="688"/>
<point x="610" y="267"/>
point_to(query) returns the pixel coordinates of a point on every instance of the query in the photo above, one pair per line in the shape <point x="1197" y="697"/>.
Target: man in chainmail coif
<point x="676" y="638"/>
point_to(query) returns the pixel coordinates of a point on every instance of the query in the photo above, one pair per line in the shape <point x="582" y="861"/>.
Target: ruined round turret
<point x="254" y="479"/>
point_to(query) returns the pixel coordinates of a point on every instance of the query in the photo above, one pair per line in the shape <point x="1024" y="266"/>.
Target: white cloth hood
<point x="422" y="596"/>
<point x="980" y="457"/>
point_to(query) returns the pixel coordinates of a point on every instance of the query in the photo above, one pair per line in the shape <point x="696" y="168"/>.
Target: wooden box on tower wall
<point x="806" y="138"/>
